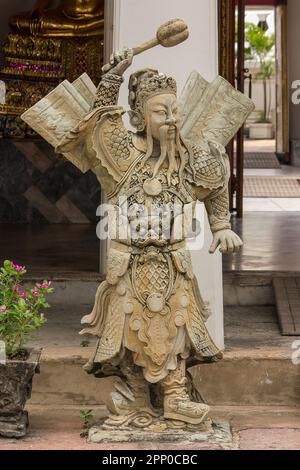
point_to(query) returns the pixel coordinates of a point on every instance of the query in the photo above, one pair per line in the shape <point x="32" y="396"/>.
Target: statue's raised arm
<point x="108" y="90"/>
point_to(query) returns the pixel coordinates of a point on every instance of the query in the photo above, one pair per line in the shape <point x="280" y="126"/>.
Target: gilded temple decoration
<point x="46" y="46"/>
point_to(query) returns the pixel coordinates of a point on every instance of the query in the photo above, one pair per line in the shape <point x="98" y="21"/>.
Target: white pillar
<point x="136" y="21"/>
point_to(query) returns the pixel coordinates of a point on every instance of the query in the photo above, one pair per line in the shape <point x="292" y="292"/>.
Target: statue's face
<point x="161" y="113"/>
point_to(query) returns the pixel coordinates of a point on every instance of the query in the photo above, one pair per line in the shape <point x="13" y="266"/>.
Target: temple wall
<point x="35" y="185"/>
<point x="38" y="187"/>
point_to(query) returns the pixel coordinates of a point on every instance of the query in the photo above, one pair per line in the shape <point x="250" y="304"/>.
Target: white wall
<point x="294" y="62"/>
<point x="136" y="21"/>
<point x="258" y="94"/>
<point x="140" y="20"/>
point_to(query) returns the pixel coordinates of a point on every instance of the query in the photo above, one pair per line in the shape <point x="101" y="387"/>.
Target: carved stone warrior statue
<point x="149" y="315"/>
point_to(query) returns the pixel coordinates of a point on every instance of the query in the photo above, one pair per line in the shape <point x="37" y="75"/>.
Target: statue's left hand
<point x="228" y="241"/>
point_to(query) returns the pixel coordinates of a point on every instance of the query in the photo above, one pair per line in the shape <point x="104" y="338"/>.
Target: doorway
<point x="266" y="199"/>
<point x="253" y="57"/>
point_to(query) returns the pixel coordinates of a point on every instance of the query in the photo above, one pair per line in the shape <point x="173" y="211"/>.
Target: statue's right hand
<point x="119" y="62"/>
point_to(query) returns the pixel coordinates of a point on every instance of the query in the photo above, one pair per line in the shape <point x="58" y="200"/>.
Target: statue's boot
<point x="177" y="403"/>
<point x="132" y="395"/>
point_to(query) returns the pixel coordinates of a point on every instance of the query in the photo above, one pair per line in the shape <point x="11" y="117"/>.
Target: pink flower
<point x="35" y="293"/>
<point x="26" y="300"/>
<point x="3" y="309"/>
<point x="45" y="284"/>
<point x="18" y="268"/>
<point x="42" y="315"/>
<point x="16" y="288"/>
<point x="22" y="294"/>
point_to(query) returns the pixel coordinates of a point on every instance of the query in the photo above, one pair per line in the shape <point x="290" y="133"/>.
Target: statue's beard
<point x="170" y="145"/>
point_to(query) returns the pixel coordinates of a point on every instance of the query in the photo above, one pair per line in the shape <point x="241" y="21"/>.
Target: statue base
<point x="213" y="432"/>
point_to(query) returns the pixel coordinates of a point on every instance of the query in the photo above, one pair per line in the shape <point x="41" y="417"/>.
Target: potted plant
<point x="260" y="47"/>
<point x="21" y="313"/>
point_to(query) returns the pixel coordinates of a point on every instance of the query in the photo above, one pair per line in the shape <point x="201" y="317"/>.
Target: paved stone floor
<point x="272" y="204"/>
<point x="260" y="428"/>
<point x="271" y="242"/>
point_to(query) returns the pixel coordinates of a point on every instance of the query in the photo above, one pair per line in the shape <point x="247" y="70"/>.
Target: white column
<point x="136" y="21"/>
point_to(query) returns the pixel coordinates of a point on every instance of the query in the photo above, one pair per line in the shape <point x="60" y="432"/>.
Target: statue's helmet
<point x="144" y="84"/>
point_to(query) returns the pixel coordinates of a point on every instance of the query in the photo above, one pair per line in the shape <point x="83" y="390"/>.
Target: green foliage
<point x="20" y="307"/>
<point x="86" y="416"/>
<point x="85" y="343"/>
<point x="262" y="119"/>
<point x="267" y="69"/>
<point x="261" y="46"/>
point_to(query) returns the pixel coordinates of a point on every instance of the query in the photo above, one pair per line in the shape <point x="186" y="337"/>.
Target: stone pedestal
<point x="212" y="432"/>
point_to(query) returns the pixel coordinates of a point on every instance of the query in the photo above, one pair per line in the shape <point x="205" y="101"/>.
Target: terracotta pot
<point x="15" y="389"/>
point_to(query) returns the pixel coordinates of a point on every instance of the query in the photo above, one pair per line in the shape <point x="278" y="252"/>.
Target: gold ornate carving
<point x="70" y="18"/>
<point x="26" y="47"/>
<point x="46" y="47"/>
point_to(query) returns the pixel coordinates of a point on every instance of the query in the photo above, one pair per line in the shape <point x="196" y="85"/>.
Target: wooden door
<point x="240" y="84"/>
<point x="231" y="67"/>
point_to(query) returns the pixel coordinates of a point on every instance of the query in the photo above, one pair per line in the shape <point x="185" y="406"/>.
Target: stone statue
<point x="69" y="18"/>
<point x="149" y="315"/>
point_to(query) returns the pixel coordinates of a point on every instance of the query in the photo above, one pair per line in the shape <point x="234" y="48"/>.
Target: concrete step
<point x="69" y="288"/>
<point x="240" y="288"/>
<point x="258" y="365"/>
<point x="251" y="287"/>
<point x="257" y="368"/>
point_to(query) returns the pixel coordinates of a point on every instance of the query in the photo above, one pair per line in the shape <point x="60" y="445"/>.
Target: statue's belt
<point x="116" y="245"/>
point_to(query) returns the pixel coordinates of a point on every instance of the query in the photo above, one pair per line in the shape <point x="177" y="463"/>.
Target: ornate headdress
<point x="144" y="84"/>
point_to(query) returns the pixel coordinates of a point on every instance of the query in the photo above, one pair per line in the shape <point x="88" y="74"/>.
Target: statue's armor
<point x="150" y="302"/>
